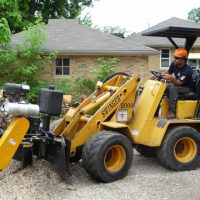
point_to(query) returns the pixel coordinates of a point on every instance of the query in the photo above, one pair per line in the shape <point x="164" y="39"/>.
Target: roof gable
<point x="69" y="37"/>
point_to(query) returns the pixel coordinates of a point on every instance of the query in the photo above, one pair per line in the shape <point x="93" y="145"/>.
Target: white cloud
<point x="136" y="16"/>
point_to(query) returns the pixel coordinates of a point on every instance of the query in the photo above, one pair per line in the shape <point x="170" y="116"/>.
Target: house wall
<point x="85" y="65"/>
<point x="154" y="62"/>
<point x="195" y="50"/>
<point x="47" y="72"/>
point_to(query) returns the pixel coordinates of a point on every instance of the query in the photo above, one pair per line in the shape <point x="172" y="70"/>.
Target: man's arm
<point x="171" y="78"/>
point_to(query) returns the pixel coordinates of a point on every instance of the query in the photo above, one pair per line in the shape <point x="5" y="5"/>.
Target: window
<point x="194" y="60"/>
<point x="193" y="63"/>
<point x="62" y="66"/>
<point x="165" y="58"/>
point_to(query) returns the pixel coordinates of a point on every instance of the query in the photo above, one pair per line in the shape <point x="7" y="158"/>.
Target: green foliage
<point x="77" y="88"/>
<point x="86" y="20"/>
<point x="115" y="30"/>
<point x="23" y="63"/>
<point x="84" y="85"/>
<point x="50" y="9"/>
<point x="26" y="59"/>
<point x="194" y="15"/>
<point x="10" y="11"/>
<point x="21" y="13"/>
<point x="107" y="66"/>
<point x="4" y="32"/>
<point x="32" y="96"/>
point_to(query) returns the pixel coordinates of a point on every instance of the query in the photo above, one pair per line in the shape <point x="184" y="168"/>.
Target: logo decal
<point x="111" y="106"/>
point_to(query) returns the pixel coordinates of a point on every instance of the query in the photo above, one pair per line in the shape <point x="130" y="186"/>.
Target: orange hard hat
<point x="181" y="53"/>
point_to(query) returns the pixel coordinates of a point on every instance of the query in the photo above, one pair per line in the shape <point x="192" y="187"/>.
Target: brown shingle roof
<point x="70" y="37"/>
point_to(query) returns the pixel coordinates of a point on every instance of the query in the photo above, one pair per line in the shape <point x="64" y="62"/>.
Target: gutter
<point x="110" y="53"/>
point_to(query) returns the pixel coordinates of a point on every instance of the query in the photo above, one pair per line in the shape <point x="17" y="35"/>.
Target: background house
<point x="163" y="45"/>
<point x="80" y="46"/>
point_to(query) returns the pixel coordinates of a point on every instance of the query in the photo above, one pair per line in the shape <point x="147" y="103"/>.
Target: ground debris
<point x="145" y="180"/>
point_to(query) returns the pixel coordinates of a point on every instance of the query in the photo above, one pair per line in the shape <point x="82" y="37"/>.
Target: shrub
<point x="107" y="66"/>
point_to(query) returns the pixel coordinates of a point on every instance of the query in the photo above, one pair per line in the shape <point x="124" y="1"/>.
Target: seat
<point x="195" y="94"/>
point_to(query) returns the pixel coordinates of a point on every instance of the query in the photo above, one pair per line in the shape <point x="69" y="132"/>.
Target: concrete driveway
<point x="147" y="180"/>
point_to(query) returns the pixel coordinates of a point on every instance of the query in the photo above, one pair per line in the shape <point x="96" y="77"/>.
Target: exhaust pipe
<point x="22" y="109"/>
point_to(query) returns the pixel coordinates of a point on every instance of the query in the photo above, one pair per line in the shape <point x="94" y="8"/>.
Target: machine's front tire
<point x="180" y="149"/>
<point x="145" y="150"/>
<point x="107" y="156"/>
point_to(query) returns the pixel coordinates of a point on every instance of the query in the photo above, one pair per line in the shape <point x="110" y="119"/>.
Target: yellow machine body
<point x="78" y="124"/>
<point x="11" y="140"/>
<point x="117" y="106"/>
<point x="150" y="124"/>
<point x="146" y="121"/>
<point x="118" y="115"/>
<point x="184" y="109"/>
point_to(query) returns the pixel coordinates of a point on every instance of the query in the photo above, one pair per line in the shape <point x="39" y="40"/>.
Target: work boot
<point x="170" y="115"/>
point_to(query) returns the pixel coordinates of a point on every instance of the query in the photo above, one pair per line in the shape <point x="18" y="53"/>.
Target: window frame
<point x="169" y="58"/>
<point x="197" y="63"/>
<point x="62" y="67"/>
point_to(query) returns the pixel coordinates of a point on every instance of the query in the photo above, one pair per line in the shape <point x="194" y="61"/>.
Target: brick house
<point x="80" y="46"/>
<point x="163" y="45"/>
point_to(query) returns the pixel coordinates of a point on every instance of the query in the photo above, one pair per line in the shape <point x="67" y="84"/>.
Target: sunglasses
<point x="177" y="58"/>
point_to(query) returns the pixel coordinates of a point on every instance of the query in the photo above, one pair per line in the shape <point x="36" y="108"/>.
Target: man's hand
<point x="167" y="76"/>
<point x="171" y="78"/>
<point x="153" y="78"/>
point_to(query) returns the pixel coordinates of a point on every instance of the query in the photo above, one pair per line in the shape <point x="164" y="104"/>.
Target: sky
<point x="138" y="15"/>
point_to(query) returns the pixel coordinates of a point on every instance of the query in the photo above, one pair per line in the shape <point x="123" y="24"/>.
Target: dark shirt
<point x="183" y="74"/>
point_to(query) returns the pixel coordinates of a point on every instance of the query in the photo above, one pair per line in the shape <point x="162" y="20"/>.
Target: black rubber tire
<point x="146" y="151"/>
<point x="166" y="153"/>
<point x="115" y="74"/>
<point x="97" y="149"/>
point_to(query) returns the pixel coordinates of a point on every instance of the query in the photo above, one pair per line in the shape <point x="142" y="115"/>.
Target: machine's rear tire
<point x="107" y="156"/>
<point x="115" y="74"/>
<point x="180" y="149"/>
<point x="145" y="150"/>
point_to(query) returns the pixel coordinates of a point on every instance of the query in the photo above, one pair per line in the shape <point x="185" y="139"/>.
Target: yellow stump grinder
<point x="104" y="128"/>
